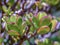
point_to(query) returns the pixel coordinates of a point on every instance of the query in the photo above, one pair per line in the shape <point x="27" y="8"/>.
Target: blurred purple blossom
<point x="3" y="24"/>
<point x="58" y="25"/>
<point x="0" y="14"/>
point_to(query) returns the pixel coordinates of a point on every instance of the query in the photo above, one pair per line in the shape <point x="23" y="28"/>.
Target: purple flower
<point x="58" y="25"/>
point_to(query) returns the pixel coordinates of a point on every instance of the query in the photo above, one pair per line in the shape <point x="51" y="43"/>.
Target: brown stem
<point x="5" y="3"/>
<point x="25" y="9"/>
<point x="14" y="5"/>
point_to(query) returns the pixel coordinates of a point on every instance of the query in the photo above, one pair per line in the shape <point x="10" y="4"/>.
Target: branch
<point x="21" y="11"/>
<point x="5" y="3"/>
<point x="55" y="31"/>
<point x="14" y="5"/>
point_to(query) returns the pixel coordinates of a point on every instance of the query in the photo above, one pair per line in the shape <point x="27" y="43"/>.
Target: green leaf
<point x="41" y="14"/>
<point x="28" y="22"/>
<point x="45" y="21"/>
<point x="54" y="23"/>
<point x="52" y="2"/>
<point x="32" y="40"/>
<point x="50" y="26"/>
<point x="4" y="8"/>
<point x="35" y="22"/>
<point x="9" y="11"/>
<point x="43" y="30"/>
<point x="32" y="29"/>
<point x="13" y="33"/>
<point x="13" y="27"/>
<point x="11" y="2"/>
<point x="13" y="19"/>
<point x="22" y="30"/>
<point x="1" y="40"/>
<point x="19" y="22"/>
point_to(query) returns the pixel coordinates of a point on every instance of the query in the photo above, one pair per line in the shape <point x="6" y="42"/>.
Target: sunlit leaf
<point x="13" y="19"/>
<point x="43" y="30"/>
<point x="54" y="23"/>
<point x="1" y="40"/>
<point x="4" y="8"/>
<point x="41" y="14"/>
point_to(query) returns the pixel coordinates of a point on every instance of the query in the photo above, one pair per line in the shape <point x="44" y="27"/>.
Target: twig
<point x="5" y="3"/>
<point x="14" y="5"/>
<point x="21" y="11"/>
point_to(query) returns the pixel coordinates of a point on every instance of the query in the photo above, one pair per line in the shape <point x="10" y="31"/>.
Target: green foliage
<point x="51" y="2"/>
<point x="12" y="27"/>
<point x="19" y="22"/>
<point x="32" y="29"/>
<point x="13" y="19"/>
<point x="43" y="30"/>
<point x="1" y="40"/>
<point x="41" y="23"/>
<point x="10" y="3"/>
<point x="41" y="14"/>
<point x="45" y="21"/>
<point x="7" y="10"/>
<point x="13" y="33"/>
<point x="35" y="22"/>
<point x="58" y="18"/>
<point x="29" y="22"/>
